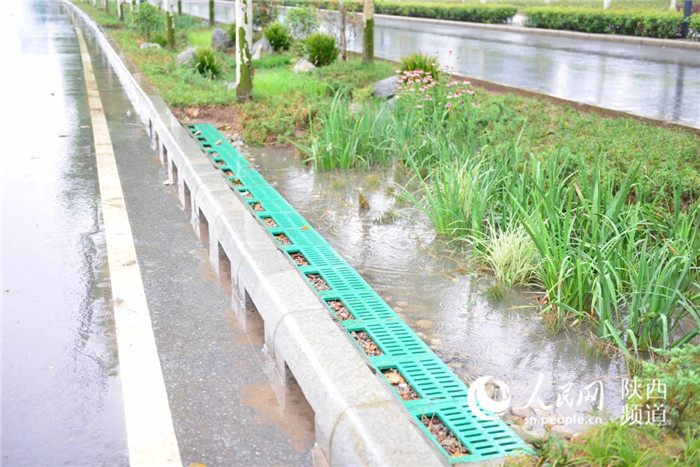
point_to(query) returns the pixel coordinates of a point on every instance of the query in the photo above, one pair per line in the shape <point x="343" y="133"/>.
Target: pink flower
<point x="397" y="71"/>
<point x="449" y="96"/>
<point x="412" y="89"/>
<point x="428" y="98"/>
<point x="466" y="81"/>
<point x="448" y="105"/>
<point x="419" y="106"/>
<point x="474" y="105"/>
<point x="449" y="52"/>
<point x="423" y="88"/>
<point x="471" y="91"/>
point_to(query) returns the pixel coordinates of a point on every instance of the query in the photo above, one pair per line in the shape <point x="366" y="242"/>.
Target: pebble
<point x="563" y="430"/>
<point x="402" y="304"/>
<point x="521" y="411"/>
<point x="424" y="323"/>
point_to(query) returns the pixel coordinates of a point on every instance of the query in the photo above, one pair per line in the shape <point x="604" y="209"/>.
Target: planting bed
<point x="318" y="282"/>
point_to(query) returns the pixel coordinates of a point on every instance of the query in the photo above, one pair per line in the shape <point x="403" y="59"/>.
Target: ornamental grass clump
<point x="207" y="63"/>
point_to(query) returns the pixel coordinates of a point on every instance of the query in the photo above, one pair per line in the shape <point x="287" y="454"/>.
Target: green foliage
<point x="207" y="63"/>
<point x="663" y="25"/>
<point x="302" y="21"/>
<point x="695" y="26"/>
<point x="679" y="370"/>
<point x="279" y="36"/>
<point x="231" y="31"/>
<point x="611" y="253"/>
<point x="420" y="61"/>
<point x="147" y="20"/>
<point x="321" y="49"/>
<point x="160" y="38"/>
<point x="616" y="444"/>
<point x="477" y="13"/>
<point x="264" y="13"/>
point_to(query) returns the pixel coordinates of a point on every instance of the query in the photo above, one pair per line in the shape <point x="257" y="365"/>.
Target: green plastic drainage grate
<point x="439" y="395"/>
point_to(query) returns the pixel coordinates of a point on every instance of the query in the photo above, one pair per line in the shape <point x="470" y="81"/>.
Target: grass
<point x="201" y="37"/>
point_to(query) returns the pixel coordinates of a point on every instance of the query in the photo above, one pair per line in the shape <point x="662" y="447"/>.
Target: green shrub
<point x="695" y="27"/>
<point x="680" y="373"/>
<point x="302" y="21"/>
<point x="476" y="13"/>
<point x="420" y="61"/>
<point x="160" y="38"/>
<point x="231" y="31"/>
<point x="321" y="49"/>
<point x="264" y="13"/>
<point x="146" y="20"/>
<point x="279" y="36"/>
<point x="207" y="63"/>
<point x="664" y="25"/>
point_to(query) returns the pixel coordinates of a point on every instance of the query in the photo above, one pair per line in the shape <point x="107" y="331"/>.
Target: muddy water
<point x="445" y="300"/>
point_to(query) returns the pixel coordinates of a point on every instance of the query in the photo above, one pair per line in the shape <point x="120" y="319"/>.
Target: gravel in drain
<point x="269" y="222"/>
<point x="235" y="181"/>
<point x="257" y="207"/>
<point x="283" y="239"/>
<point x="318" y="282"/>
<point x="366" y="343"/>
<point x="220" y="163"/>
<point x="444" y="436"/>
<point x="398" y="382"/>
<point x="228" y="173"/>
<point x="299" y="259"/>
<point x="341" y="312"/>
<point x="246" y="194"/>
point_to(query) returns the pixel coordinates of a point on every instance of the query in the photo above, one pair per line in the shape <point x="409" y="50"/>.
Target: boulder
<point x="303" y="65"/>
<point x="259" y="47"/>
<point x="385" y="88"/>
<point x="186" y="56"/>
<point x="149" y="45"/>
<point x="220" y="39"/>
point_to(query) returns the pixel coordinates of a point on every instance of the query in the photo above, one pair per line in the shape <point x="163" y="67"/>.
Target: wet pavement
<point x="650" y="81"/>
<point x="435" y="289"/>
<point x="61" y="394"/>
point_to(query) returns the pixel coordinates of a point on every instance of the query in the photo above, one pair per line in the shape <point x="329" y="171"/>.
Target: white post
<point x="672" y="7"/>
<point x="606" y="4"/>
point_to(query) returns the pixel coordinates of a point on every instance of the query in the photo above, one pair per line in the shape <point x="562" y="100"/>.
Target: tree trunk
<point x="106" y="6"/>
<point x="368" y="34"/>
<point x="244" y="61"/>
<point x="211" y="13"/>
<point x="672" y="6"/>
<point x="169" y="27"/>
<point x="179" y="7"/>
<point x="120" y="9"/>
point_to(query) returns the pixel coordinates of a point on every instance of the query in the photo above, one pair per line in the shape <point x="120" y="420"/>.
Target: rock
<point x="259" y="47"/>
<point x="521" y="411"/>
<point x="542" y="413"/>
<point x="186" y="56"/>
<point x="303" y="65"/>
<point x="149" y="45"/>
<point x="402" y="304"/>
<point x="385" y="88"/>
<point x="490" y="390"/>
<point x="364" y="203"/>
<point x="424" y="323"/>
<point x="220" y="40"/>
<point x="563" y="430"/>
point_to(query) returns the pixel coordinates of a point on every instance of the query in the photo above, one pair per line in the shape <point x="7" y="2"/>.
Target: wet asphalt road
<point x="645" y="80"/>
<point x="61" y="394"/>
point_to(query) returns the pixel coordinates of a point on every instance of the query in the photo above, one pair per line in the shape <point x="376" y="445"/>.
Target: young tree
<point x="244" y="60"/>
<point x="368" y="35"/>
<point x="211" y="13"/>
<point x="169" y="27"/>
<point x="179" y="7"/>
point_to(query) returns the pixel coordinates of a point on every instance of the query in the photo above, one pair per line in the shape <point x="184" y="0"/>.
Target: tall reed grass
<point x="604" y="251"/>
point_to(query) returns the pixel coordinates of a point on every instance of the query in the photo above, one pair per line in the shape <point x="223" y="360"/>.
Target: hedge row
<point x="475" y="13"/>
<point x="664" y="25"/>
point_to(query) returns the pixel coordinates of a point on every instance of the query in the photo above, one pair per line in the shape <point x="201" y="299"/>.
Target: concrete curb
<point x="358" y="420"/>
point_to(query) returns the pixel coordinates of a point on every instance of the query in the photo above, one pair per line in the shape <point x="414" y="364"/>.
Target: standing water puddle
<point x="425" y="282"/>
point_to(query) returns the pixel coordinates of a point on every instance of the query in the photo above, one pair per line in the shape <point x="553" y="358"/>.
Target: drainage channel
<point x="428" y="388"/>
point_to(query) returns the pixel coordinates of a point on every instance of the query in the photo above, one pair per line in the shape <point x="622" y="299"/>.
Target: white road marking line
<point x="149" y="425"/>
